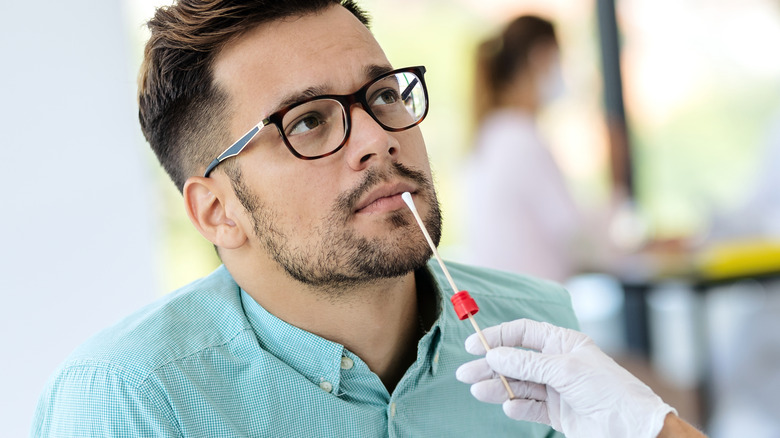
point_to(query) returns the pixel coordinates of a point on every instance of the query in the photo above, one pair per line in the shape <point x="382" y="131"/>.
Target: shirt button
<point x="347" y="363"/>
<point x="326" y="386"/>
<point x="436" y="358"/>
<point x="392" y="410"/>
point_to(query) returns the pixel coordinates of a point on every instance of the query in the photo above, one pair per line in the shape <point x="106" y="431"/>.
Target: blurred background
<point x="666" y="133"/>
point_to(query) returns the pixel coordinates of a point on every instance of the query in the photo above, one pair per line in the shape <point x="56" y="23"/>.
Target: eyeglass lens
<point x="317" y="127"/>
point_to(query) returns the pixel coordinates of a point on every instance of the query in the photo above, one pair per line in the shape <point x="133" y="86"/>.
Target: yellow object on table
<point x="739" y="258"/>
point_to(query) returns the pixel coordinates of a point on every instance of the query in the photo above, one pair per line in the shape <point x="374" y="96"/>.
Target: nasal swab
<point x="465" y="306"/>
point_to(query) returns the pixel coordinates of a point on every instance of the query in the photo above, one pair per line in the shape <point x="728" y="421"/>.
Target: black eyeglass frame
<point x="346" y="101"/>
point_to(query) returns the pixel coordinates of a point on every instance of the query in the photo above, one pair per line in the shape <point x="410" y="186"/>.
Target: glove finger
<point x="527" y="390"/>
<point x="495" y="336"/>
<point x="474" y="371"/>
<point x="524" y="333"/>
<point x="489" y="391"/>
<point x="524" y="365"/>
<point x="535" y="335"/>
<point x="474" y="343"/>
<point x="494" y="391"/>
<point x="527" y="410"/>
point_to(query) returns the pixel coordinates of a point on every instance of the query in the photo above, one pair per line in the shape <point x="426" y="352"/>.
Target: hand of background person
<point x="561" y="378"/>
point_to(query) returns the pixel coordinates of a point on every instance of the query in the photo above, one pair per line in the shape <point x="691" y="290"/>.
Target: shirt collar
<point x="319" y="359"/>
<point x="316" y="358"/>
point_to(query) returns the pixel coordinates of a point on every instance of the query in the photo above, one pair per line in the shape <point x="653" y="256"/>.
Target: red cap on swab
<point x="464" y="305"/>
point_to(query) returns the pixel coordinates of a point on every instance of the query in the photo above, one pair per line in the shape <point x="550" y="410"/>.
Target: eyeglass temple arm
<point x="236" y="147"/>
<point x="408" y="89"/>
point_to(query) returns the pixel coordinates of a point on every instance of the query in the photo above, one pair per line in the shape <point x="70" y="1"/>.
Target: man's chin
<point x="391" y="229"/>
<point x="361" y="273"/>
<point x="397" y="261"/>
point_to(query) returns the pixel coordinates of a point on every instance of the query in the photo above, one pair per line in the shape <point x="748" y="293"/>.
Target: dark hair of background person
<point x="502" y="58"/>
<point x="182" y="112"/>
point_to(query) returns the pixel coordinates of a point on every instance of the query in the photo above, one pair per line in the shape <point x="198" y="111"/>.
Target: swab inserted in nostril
<point x="465" y="306"/>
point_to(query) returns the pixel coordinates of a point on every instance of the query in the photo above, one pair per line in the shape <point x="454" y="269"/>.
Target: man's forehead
<point x="328" y="52"/>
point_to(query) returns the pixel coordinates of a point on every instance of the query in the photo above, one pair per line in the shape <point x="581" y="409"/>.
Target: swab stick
<point x="464" y="305"/>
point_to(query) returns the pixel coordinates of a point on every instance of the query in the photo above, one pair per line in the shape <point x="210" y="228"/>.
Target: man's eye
<point x="305" y="124"/>
<point x="385" y="97"/>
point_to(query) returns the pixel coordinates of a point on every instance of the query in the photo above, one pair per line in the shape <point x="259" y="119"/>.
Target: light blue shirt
<point x="209" y="361"/>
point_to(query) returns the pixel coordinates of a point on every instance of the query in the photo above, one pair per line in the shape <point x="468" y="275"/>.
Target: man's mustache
<point x="347" y="202"/>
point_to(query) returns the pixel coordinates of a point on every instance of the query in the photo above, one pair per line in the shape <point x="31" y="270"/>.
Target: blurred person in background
<point x="521" y="216"/>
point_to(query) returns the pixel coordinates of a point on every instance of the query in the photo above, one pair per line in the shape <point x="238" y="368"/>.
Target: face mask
<point x="551" y="87"/>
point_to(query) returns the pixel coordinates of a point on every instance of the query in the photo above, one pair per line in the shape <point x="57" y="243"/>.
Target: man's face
<point x="339" y="220"/>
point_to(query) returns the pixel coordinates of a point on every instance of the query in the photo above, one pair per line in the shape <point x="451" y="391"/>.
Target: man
<point x="326" y="318"/>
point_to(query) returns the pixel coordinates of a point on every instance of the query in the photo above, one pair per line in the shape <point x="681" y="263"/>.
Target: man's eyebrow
<point x="373" y="71"/>
<point x="298" y="96"/>
<point x="370" y="71"/>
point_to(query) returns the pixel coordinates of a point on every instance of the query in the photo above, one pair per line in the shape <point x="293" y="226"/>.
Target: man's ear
<point x="206" y="203"/>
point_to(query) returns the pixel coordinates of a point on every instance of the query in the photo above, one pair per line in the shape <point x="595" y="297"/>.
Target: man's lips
<point x="385" y="197"/>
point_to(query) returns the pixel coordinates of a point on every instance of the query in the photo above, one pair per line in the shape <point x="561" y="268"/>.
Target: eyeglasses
<point x="320" y="126"/>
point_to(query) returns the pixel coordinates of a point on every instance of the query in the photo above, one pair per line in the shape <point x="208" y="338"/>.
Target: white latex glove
<point x="567" y="382"/>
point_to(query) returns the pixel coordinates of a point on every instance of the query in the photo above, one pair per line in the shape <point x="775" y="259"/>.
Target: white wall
<point x="75" y="215"/>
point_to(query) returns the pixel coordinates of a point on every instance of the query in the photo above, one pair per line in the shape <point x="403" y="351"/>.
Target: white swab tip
<point x="407" y="197"/>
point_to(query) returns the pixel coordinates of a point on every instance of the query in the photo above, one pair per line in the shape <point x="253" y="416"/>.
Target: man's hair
<point x="182" y="111"/>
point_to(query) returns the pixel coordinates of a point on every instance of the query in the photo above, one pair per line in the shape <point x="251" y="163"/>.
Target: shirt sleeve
<point x="96" y="401"/>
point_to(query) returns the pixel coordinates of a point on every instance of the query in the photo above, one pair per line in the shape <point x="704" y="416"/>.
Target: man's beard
<point x="340" y="259"/>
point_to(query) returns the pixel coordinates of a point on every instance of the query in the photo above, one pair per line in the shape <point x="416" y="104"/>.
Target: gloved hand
<point x="567" y="382"/>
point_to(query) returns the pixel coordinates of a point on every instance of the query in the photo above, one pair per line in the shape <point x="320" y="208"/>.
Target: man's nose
<point x="368" y="141"/>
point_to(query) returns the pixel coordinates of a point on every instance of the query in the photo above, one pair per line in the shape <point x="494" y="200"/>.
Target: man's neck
<point x="379" y="322"/>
